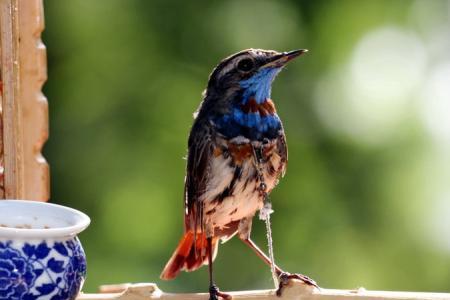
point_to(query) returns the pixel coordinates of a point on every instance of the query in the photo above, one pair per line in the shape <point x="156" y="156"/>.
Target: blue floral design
<point x="60" y="270"/>
<point x="74" y="274"/>
<point x="16" y="273"/>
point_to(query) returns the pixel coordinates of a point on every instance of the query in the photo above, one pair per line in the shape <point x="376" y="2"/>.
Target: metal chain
<point x="266" y="210"/>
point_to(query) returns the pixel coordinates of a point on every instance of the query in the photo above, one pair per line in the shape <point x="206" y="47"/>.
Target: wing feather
<point x="200" y="150"/>
<point x="282" y="152"/>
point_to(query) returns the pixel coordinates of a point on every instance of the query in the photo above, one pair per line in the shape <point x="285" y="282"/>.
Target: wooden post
<point x="24" y="173"/>
<point x="294" y="291"/>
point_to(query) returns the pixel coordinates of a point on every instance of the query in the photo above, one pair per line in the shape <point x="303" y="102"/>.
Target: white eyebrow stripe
<point x="227" y="68"/>
<point x="232" y="63"/>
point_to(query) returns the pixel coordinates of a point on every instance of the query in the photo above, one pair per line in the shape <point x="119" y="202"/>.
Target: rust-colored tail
<point x="191" y="254"/>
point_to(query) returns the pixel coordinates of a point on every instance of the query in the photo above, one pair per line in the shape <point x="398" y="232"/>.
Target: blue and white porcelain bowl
<point x="41" y="257"/>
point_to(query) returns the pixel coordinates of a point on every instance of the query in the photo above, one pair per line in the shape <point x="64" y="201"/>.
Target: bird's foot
<point x="214" y="293"/>
<point x="285" y="277"/>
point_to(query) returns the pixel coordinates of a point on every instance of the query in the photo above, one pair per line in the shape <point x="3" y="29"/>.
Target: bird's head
<point x="249" y="73"/>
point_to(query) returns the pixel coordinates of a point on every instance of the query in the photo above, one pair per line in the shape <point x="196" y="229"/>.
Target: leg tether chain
<point x="266" y="210"/>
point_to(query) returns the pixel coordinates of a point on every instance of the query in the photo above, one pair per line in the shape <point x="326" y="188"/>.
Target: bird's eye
<point x="245" y="65"/>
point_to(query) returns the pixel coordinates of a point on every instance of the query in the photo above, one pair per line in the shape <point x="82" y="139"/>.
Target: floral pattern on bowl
<point x="41" y="264"/>
<point x="39" y="270"/>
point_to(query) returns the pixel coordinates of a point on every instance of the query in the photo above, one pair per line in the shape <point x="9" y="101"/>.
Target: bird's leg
<point x="214" y="292"/>
<point x="261" y="254"/>
<point x="282" y="275"/>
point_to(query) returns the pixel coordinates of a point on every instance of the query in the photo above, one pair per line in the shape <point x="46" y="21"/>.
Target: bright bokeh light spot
<point x="386" y="66"/>
<point x="376" y="87"/>
<point x="435" y="104"/>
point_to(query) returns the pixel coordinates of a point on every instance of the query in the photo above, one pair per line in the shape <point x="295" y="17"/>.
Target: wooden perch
<point x="294" y="291"/>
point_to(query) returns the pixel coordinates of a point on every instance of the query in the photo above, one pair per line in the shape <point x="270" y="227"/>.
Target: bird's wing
<point x="200" y="150"/>
<point x="282" y="152"/>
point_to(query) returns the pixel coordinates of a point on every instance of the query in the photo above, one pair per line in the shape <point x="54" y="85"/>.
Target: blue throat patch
<point x="251" y="124"/>
<point x="259" y="85"/>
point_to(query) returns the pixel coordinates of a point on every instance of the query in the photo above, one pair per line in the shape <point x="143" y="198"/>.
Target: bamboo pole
<point x="294" y="291"/>
<point x="24" y="172"/>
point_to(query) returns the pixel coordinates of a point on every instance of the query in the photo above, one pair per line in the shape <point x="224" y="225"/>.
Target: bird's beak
<point x="279" y="60"/>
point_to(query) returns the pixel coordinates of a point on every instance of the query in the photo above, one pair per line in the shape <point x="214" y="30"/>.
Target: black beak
<point x="279" y="60"/>
<point x="294" y="53"/>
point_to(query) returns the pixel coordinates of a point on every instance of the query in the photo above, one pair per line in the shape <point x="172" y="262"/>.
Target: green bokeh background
<point x="361" y="204"/>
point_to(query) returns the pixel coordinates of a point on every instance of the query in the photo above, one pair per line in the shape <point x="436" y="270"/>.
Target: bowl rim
<point x="82" y="222"/>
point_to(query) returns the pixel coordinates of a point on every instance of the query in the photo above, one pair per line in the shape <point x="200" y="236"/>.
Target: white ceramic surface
<point x="32" y="219"/>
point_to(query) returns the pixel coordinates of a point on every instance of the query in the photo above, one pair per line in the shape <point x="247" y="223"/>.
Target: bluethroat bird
<point x="236" y="154"/>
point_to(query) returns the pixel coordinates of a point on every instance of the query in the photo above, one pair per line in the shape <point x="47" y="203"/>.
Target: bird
<point x="237" y="153"/>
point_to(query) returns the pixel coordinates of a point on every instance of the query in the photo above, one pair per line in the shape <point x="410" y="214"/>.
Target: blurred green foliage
<point x="124" y="80"/>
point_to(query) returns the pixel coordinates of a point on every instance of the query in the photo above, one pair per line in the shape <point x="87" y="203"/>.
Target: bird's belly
<point x="242" y="202"/>
<point x="234" y="190"/>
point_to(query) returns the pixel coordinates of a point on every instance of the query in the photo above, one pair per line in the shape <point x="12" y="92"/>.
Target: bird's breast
<point x="232" y="192"/>
<point x="251" y="119"/>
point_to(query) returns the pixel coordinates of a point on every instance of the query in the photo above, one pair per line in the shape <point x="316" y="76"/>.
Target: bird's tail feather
<point x="191" y="254"/>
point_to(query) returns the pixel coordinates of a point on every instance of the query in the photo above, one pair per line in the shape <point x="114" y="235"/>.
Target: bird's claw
<point x="285" y="277"/>
<point x="214" y="294"/>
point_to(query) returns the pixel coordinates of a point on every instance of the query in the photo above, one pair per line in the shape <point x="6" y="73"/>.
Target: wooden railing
<point x="294" y="291"/>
